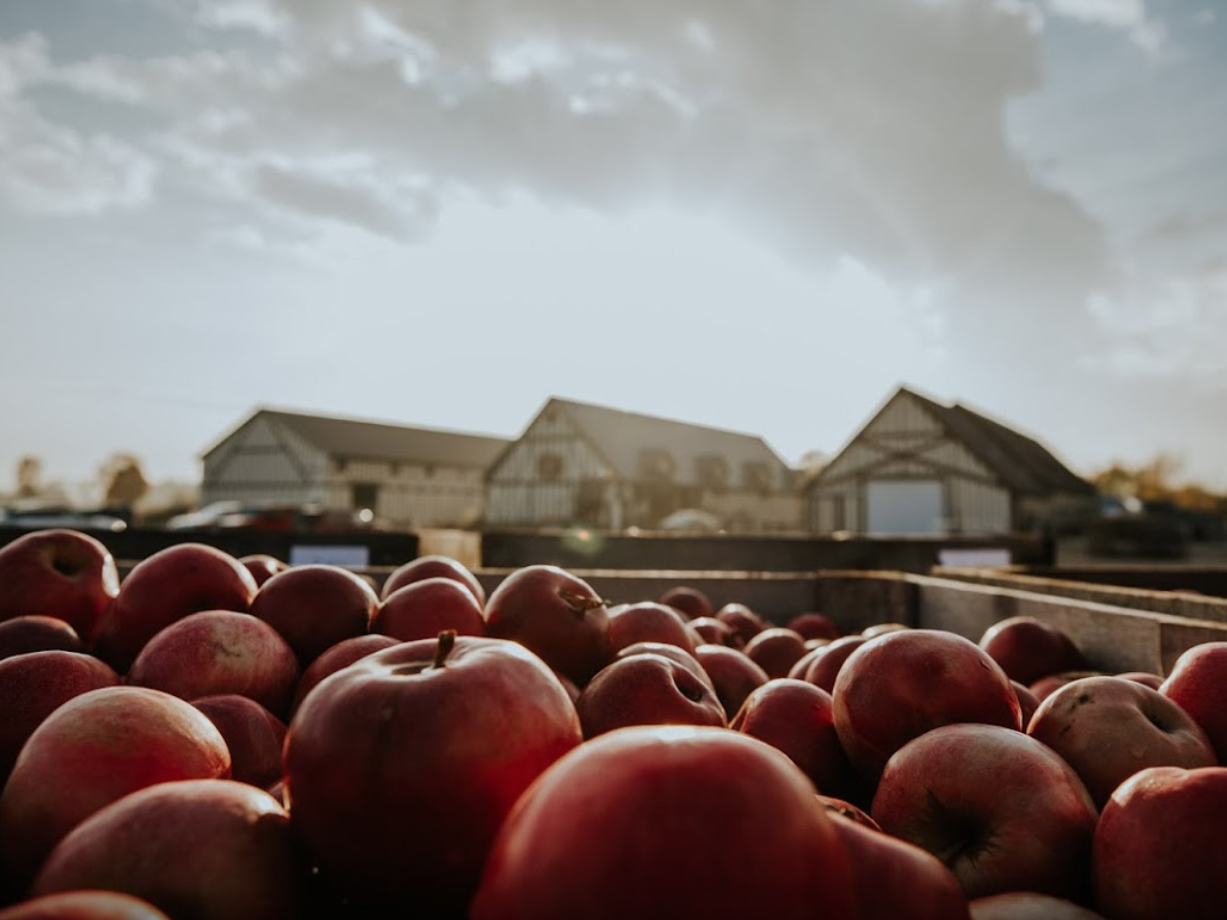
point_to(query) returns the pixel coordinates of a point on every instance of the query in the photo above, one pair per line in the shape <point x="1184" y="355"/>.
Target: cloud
<point x="1126" y="15"/>
<point x="48" y="168"/>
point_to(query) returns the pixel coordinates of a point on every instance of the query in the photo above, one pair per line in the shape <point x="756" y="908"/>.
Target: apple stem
<point x="580" y="603"/>
<point x="447" y="641"/>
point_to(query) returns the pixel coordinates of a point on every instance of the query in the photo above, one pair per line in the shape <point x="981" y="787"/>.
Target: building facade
<point x="581" y="464"/>
<point x="407" y="477"/>
<point x="921" y="467"/>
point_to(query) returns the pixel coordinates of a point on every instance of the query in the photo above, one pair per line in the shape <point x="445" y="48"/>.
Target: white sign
<point x="351" y="557"/>
<point x="973" y="558"/>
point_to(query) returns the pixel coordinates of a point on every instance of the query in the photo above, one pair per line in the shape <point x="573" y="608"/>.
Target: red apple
<point x="904" y="683"/>
<point x="1028" y="702"/>
<point x="163" y="589"/>
<point x="714" y="632"/>
<point x="648" y="621"/>
<point x="314" y="607"/>
<point x="1108" y="728"/>
<point x="219" y="651"/>
<point x="424" y="608"/>
<point x="776" y="650"/>
<point x="825" y="666"/>
<point x="555" y="615"/>
<point x="881" y="629"/>
<point x="1028" y="649"/>
<point x="1159" y="846"/>
<point x="253" y="735"/>
<point x="744" y="622"/>
<point x="732" y="674"/>
<point x="263" y="567"/>
<point x="814" y="626"/>
<point x="212" y="849"/>
<point x="94" y="749"/>
<point x="847" y="810"/>
<point x="898" y="880"/>
<point x="684" y="658"/>
<point x="339" y="656"/>
<point x="580" y="843"/>
<point x="34" y="685"/>
<point x="400" y="767"/>
<point x="434" y="566"/>
<point x="796" y="718"/>
<point x="57" y="573"/>
<point x="646" y="690"/>
<point x="83" y="905"/>
<point x="1027" y="905"/>
<point x="22" y="635"/>
<point x="691" y="603"/>
<point x="1198" y="685"/>
<point x="1045" y="686"/>
<point x="1001" y="810"/>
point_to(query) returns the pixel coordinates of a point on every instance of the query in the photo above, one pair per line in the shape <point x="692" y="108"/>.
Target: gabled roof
<point x="621" y="437"/>
<point x="359" y="439"/>
<point x="1022" y="463"/>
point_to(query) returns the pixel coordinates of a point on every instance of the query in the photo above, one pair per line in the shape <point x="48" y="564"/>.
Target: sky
<point x="761" y="216"/>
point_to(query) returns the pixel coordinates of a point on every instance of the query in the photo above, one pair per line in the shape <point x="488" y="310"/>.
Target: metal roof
<point x="358" y="439"/>
<point x="621" y="437"/>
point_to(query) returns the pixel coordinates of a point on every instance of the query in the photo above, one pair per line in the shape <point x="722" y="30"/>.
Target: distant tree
<point x="1155" y="481"/>
<point x="123" y="481"/>
<point x="29" y="477"/>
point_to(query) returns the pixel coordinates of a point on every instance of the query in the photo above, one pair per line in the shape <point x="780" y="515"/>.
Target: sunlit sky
<point x="757" y="216"/>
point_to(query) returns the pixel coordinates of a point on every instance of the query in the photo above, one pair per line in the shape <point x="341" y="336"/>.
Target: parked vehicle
<point x="70" y="518"/>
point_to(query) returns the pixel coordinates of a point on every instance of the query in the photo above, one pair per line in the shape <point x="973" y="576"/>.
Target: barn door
<point x="905" y="506"/>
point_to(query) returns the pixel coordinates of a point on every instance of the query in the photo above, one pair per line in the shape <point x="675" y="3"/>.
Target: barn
<point x="408" y="477"/>
<point x="919" y="466"/>
<point x="578" y="463"/>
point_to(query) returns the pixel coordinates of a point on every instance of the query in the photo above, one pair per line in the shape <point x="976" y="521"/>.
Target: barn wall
<point x="263" y="461"/>
<point x="976" y="507"/>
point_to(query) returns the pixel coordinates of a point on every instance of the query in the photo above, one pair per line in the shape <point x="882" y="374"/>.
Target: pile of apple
<point x="232" y="739"/>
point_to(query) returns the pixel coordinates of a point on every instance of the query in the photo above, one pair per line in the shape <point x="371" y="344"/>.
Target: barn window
<point x="756" y="475"/>
<point x="549" y="467"/>
<point x="656" y="465"/>
<point x="364" y="495"/>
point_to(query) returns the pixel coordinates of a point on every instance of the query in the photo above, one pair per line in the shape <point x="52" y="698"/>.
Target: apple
<point x="587" y="839"/>
<point x="34" y="685"/>
<point x="1198" y="685"/>
<point x="165" y="587"/>
<point x="1108" y="728"/>
<point x="1002" y="811"/>
<point x="1028" y="649"/>
<point x="94" y="749"/>
<point x="776" y="650"/>
<point x="400" y="768"/>
<point x="682" y="657"/>
<point x="1158" y="852"/>
<point x="898" y="880"/>
<point x="1045" y="686"/>
<point x="714" y="632"/>
<point x="212" y="849"/>
<point x="219" y="651"/>
<point x="83" y="905"/>
<point x="824" y="667"/>
<point x="314" y="607"/>
<point x="58" y="573"/>
<point x="434" y="566"/>
<point x="555" y="615"/>
<point x="744" y="622"/>
<point x="1146" y="678"/>
<point x="881" y="629"/>
<point x="847" y="810"/>
<point x="1028" y="702"/>
<point x="262" y="567"/>
<point x="796" y="718"/>
<point x="423" y="609"/>
<point x="339" y="656"/>
<point x="646" y="690"/>
<point x="21" y="635"/>
<point x="648" y="621"/>
<point x="1027" y="905"/>
<point x="691" y="603"/>
<point x="904" y="683"/>
<point x="732" y="674"/>
<point x="253" y="735"/>
<point x="814" y="626"/>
